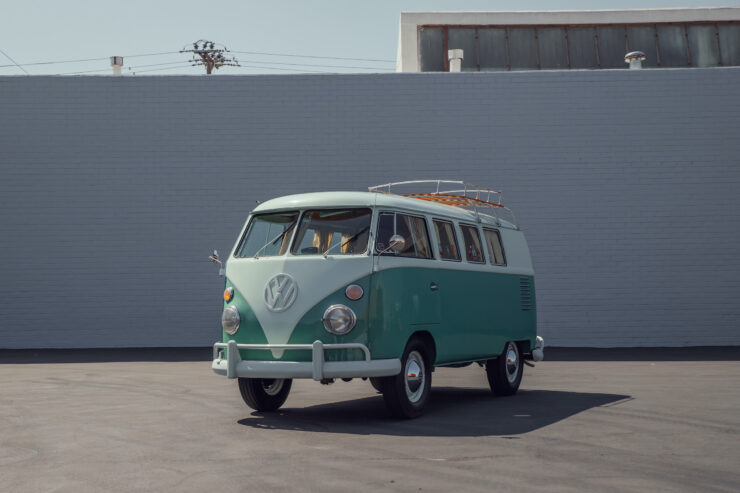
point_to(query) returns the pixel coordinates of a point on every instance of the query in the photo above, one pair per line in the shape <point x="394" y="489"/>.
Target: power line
<point x="157" y="64"/>
<point x="314" y="56"/>
<point x="79" y="60"/>
<point x="272" y="63"/>
<point x="265" y="64"/>
<point x="241" y="66"/>
<point x="291" y="69"/>
<point x="164" y="68"/>
<point x="87" y="59"/>
<point x="181" y="65"/>
<point x="152" y="54"/>
<point x="14" y="62"/>
<point x="84" y="72"/>
<point x="65" y="61"/>
<point x="314" y="65"/>
<point x="130" y="68"/>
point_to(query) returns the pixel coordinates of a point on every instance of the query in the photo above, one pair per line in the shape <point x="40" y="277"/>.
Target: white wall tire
<point x="407" y="393"/>
<point x="505" y="372"/>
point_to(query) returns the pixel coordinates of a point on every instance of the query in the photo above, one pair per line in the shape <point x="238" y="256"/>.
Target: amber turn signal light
<point x="353" y="292"/>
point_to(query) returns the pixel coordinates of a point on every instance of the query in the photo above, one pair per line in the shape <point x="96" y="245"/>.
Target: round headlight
<point x="339" y="319"/>
<point x="230" y="320"/>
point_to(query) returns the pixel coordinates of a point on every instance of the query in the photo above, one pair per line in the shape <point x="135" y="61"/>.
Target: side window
<point x="386" y="228"/>
<point x="473" y="247"/>
<point x="446" y="240"/>
<point x="414" y="232"/>
<point x="495" y="250"/>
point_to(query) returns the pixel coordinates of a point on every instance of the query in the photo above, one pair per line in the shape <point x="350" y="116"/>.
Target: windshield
<point x="267" y="235"/>
<point x="336" y="231"/>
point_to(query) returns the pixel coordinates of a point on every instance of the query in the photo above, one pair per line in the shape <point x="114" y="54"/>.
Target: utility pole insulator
<point x="210" y="55"/>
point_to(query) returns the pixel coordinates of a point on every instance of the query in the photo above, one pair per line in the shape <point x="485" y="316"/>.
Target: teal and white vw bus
<point x="380" y="285"/>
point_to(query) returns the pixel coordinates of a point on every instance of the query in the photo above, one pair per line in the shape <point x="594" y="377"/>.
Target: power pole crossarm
<point x="210" y="55"/>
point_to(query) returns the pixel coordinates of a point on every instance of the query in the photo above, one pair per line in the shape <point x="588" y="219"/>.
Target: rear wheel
<point x="265" y="394"/>
<point x="407" y="393"/>
<point x="505" y="372"/>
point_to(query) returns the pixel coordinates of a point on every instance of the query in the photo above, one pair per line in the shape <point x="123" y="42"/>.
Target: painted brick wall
<point x="114" y="190"/>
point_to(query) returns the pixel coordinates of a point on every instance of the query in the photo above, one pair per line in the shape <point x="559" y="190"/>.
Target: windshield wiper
<point x="354" y="236"/>
<point x="271" y="242"/>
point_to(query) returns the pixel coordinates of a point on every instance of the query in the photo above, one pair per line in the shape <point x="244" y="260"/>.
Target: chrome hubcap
<point x="414" y="376"/>
<point x="272" y="386"/>
<point x="512" y="362"/>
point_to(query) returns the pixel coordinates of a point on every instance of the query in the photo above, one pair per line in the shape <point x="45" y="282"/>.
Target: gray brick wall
<point x="114" y="190"/>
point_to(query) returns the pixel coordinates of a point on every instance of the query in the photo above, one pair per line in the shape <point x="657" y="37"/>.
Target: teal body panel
<point x="471" y="316"/>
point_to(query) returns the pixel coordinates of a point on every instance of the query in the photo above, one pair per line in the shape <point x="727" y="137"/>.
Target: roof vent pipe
<point x="455" y="57"/>
<point x="116" y="62"/>
<point x="634" y="58"/>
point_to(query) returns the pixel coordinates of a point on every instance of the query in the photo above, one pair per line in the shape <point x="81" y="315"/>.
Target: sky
<point x="278" y="36"/>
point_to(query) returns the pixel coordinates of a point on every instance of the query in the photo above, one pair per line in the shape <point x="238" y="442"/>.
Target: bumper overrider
<point x="538" y="353"/>
<point x="234" y="366"/>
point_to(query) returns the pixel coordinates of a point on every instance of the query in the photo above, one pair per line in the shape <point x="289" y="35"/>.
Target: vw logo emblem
<point x="280" y="292"/>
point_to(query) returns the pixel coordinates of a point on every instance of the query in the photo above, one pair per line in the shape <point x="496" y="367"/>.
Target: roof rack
<point x="464" y="195"/>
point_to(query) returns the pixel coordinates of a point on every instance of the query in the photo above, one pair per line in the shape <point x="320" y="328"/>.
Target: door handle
<point x="434" y="286"/>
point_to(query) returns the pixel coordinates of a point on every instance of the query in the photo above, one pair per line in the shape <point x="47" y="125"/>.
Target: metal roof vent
<point x="116" y="62"/>
<point x="634" y="58"/>
<point x="455" y="57"/>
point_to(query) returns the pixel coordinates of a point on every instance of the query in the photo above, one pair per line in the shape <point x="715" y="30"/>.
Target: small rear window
<point x="473" y="247"/>
<point x="495" y="250"/>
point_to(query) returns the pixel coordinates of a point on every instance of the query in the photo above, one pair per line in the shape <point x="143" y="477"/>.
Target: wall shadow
<point x="695" y="353"/>
<point x="104" y="355"/>
<point x="174" y="354"/>
<point x="451" y="412"/>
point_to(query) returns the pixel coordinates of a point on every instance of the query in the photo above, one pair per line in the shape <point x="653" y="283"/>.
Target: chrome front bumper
<point x="234" y="366"/>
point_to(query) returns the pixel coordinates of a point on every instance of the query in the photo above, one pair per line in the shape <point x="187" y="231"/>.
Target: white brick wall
<point x="114" y="190"/>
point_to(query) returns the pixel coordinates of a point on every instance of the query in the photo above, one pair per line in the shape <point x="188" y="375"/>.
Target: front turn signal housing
<point x="228" y="294"/>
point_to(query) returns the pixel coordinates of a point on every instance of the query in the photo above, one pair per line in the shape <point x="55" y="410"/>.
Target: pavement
<point x="574" y="426"/>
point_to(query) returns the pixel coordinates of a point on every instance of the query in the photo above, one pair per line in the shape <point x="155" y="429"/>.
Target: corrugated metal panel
<point x="113" y="191"/>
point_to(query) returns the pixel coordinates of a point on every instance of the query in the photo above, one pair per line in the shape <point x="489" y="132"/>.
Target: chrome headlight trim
<point x="339" y="319"/>
<point x="230" y="320"/>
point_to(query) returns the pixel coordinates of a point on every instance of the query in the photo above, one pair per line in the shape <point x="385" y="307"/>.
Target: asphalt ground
<point x="574" y="426"/>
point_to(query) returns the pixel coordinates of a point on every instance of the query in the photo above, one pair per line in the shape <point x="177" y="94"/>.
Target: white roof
<point x="374" y="199"/>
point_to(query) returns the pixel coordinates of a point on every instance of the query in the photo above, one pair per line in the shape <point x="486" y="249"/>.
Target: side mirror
<point x="214" y="257"/>
<point x="397" y="243"/>
<point x="216" y="260"/>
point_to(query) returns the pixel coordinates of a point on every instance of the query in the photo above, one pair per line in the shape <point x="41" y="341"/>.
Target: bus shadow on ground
<point x="451" y="412"/>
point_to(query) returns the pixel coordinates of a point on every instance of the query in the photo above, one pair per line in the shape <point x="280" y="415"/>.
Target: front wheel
<point x="265" y="394"/>
<point x="377" y="383"/>
<point x="407" y="393"/>
<point x="505" y="372"/>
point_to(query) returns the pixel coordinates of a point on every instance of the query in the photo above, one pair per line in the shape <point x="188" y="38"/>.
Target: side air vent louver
<point x="525" y="288"/>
